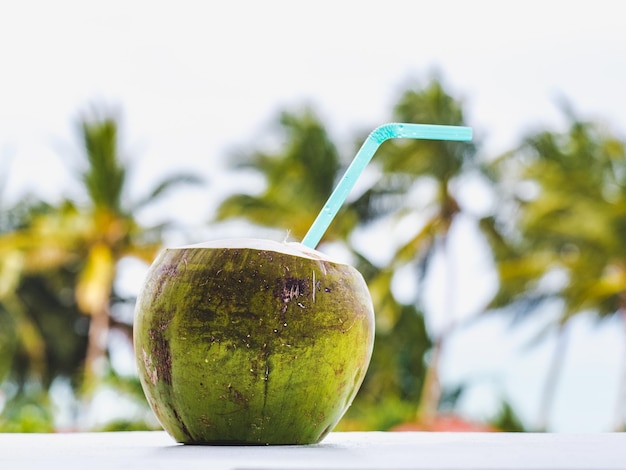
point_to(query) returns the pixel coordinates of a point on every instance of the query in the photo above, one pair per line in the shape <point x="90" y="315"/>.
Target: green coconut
<point x="251" y="342"/>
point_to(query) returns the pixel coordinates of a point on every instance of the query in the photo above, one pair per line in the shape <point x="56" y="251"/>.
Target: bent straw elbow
<point x="364" y="155"/>
<point x="399" y="130"/>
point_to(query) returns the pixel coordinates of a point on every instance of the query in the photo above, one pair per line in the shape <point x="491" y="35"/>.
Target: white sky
<point x="194" y="80"/>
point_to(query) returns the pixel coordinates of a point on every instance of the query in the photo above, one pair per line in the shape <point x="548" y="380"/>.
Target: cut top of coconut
<point x="290" y="248"/>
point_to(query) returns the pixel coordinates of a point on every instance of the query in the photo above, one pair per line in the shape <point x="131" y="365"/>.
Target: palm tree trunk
<point x="94" y="365"/>
<point x="96" y="350"/>
<point x="554" y="372"/>
<point x="618" y="416"/>
<point x="431" y="389"/>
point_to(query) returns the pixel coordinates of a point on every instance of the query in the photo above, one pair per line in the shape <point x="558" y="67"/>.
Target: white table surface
<point x="377" y="450"/>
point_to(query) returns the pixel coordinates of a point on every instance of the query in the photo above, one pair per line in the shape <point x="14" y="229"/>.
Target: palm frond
<point x="104" y="176"/>
<point x="168" y="184"/>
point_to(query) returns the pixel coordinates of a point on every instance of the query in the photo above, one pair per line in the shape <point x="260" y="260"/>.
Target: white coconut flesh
<point x="289" y="248"/>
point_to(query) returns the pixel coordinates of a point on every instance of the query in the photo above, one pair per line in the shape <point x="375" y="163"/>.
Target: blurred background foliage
<point x="554" y="231"/>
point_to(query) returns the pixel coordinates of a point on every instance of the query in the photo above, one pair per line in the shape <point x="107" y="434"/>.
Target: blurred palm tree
<point x="61" y="262"/>
<point x="299" y="177"/>
<point x="559" y="236"/>
<point x="405" y="166"/>
<point x="41" y="320"/>
<point x="12" y="219"/>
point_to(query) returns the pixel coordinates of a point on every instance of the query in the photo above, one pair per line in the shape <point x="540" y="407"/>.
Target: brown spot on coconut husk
<point x="161" y="356"/>
<point x="290" y="288"/>
<point x="165" y="273"/>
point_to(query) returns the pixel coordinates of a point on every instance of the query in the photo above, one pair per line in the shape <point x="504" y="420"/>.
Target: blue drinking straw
<point x="363" y="157"/>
